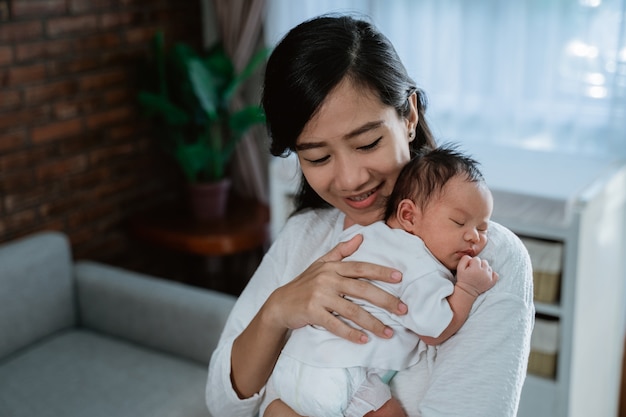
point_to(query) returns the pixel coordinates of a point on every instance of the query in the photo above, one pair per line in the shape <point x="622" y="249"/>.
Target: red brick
<point x="60" y="206"/>
<point x="19" y="118"/>
<point x="141" y="35"/>
<point x="70" y="108"/>
<point x="90" y="179"/>
<point x="123" y="132"/>
<point x="76" y="65"/>
<point x="56" y="130"/>
<point x="22" y="75"/>
<point x="6" y="55"/>
<point x="82" y="143"/>
<point x="23" y="160"/>
<point x="80" y="6"/>
<point x="117" y="19"/>
<point x="25" y="198"/>
<point x="110" y="117"/>
<point x="43" y="50"/>
<point x="71" y="25"/>
<point x="61" y="167"/>
<point x="90" y="215"/>
<point x="20" y="31"/>
<point x="18" y="222"/>
<point x="10" y="141"/>
<point x="128" y="57"/>
<point x="103" y="80"/>
<point x="119" y="96"/>
<point x="10" y="99"/>
<point x="15" y="182"/>
<point x="100" y="41"/>
<point x="113" y="188"/>
<point x="37" y="8"/>
<point x="110" y="154"/>
<point x="49" y="92"/>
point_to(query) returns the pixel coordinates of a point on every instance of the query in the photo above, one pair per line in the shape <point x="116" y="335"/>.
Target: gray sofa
<point x="86" y="339"/>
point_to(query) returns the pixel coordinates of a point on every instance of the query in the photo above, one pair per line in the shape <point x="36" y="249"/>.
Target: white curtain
<point x="540" y="74"/>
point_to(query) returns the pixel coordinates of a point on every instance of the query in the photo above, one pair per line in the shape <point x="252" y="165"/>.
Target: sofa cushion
<point x="36" y="289"/>
<point x="78" y="370"/>
<point x="156" y="313"/>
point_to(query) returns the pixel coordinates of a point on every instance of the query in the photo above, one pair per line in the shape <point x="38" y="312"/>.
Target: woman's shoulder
<point x="508" y="256"/>
<point x="312" y="220"/>
<point x="312" y="231"/>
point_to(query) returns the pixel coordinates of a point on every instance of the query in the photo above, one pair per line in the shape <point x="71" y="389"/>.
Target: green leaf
<point x="256" y="60"/>
<point x="204" y="87"/>
<point x="193" y="159"/>
<point x="220" y="65"/>
<point x="158" y="105"/>
<point x="242" y="120"/>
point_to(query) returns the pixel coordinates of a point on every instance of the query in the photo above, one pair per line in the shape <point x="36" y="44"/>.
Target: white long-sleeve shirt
<point x="478" y="372"/>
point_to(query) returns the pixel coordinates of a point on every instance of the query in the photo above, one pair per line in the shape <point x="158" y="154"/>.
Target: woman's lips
<point x="363" y="200"/>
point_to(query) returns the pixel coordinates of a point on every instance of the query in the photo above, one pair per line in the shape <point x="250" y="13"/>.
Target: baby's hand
<point x="475" y="275"/>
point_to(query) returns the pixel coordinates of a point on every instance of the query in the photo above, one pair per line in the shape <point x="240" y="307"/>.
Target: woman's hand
<point x="313" y="296"/>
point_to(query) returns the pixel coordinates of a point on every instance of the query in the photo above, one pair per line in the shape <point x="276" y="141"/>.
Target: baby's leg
<point x="391" y="408"/>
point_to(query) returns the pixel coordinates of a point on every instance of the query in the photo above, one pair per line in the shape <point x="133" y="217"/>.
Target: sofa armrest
<point x="165" y="315"/>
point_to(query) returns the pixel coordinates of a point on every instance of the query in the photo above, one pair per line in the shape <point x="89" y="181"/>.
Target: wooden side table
<point x="245" y="228"/>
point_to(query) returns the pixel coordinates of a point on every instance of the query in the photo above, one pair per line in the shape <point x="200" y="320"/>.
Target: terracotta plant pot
<point x="209" y="200"/>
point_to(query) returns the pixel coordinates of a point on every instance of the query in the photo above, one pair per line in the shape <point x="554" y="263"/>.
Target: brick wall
<point x="75" y="155"/>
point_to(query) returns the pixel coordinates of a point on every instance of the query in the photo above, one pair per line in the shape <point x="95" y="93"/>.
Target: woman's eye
<point x="318" y="161"/>
<point x="371" y="145"/>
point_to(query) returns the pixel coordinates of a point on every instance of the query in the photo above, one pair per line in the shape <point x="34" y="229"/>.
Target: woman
<point x="337" y="94"/>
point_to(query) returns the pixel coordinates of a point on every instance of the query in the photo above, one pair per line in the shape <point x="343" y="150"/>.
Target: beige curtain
<point x="240" y="28"/>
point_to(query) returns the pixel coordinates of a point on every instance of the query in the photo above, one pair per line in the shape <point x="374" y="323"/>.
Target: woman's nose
<point x="349" y="175"/>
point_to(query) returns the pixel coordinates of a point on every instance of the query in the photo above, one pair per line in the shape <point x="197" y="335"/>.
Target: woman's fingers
<point x="317" y="295"/>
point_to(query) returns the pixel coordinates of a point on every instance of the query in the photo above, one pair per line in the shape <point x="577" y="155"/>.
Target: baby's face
<point x="455" y="223"/>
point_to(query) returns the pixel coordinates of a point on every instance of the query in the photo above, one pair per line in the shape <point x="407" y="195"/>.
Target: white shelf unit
<point x="581" y="202"/>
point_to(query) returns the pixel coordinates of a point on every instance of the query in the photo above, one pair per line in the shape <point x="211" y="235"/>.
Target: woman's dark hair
<point x="311" y="60"/>
<point x="425" y="175"/>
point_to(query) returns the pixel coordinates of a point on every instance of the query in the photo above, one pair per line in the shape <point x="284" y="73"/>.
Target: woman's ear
<point x="408" y="215"/>
<point x="413" y="117"/>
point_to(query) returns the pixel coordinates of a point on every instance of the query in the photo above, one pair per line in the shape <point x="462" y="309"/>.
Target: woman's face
<point x="352" y="150"/>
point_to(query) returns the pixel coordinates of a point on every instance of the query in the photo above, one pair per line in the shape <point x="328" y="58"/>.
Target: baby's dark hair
<point x="425" y="175"/>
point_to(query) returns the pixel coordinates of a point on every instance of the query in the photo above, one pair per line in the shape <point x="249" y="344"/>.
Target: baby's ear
<point x="407" y="214"/>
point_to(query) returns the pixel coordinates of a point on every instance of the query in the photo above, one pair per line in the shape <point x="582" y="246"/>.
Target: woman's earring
<point x="411" y="133"/>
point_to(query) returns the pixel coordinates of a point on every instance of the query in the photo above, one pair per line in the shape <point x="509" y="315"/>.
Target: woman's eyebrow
<point x="364" y="128"/>
<point x="352" y="134"/>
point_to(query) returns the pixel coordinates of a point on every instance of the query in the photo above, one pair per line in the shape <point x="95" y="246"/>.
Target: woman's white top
<point x="478" y="372"/>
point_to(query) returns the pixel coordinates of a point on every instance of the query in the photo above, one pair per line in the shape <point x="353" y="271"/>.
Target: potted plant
<point x="189" y="96"/>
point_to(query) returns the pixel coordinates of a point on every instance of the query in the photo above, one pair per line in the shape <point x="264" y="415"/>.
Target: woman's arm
<point x="310" y="299"/>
